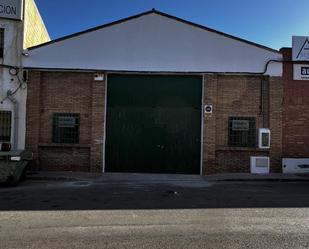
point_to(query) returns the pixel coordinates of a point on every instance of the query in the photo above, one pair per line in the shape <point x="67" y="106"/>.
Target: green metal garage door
<point x="153" y="124"/>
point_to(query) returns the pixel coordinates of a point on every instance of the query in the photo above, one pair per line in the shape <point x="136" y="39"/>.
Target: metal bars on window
<point x="1" y="42"/>
<point x="66" y="128"/>
<point x="5" y="126"/>
<point x="242" y="132"/>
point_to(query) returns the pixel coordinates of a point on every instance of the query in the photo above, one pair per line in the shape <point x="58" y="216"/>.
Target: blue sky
<point x="268" y="22"/>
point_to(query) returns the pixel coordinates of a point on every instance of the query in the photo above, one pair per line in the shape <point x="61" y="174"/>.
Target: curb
<point x="64" y="178"/>
<point x="48" y="178"/>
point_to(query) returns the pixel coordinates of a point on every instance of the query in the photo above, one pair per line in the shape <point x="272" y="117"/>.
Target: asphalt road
<point x="158" y="215"/>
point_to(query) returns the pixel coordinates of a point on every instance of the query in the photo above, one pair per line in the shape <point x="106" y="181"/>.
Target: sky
<point x="268" y="22"/>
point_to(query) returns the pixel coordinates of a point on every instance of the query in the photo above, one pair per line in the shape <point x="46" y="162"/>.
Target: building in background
<point x="154" y="93"/>
<point x="21" y="26"/>
<point x="296" y="106"/>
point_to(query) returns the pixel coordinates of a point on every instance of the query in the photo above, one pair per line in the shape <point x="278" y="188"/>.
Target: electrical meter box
<point x="264" y="138"/>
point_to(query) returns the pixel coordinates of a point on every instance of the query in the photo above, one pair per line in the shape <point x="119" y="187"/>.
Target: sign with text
<point x="300" y="48"/>
<point x="11" y="9"/>
<point x="301" y="72"/>
<point x="66" y="122"/>
<point x="240" y="125"/>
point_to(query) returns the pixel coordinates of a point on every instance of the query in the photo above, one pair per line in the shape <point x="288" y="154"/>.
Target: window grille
<point x="66" y="128"/>
<point x="242" y="132"/>
<point x="5" y="126"/>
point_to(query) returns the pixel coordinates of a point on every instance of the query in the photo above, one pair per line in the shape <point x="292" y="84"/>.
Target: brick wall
<point x="239" y="96"/>
<point x="230" y="95"/>
<point x="59" y="92"/>
<point x="210" y="85"/>
<point x="275" y="122"/>
<point x="295" y="112"/>
<point x="64" y="158"/>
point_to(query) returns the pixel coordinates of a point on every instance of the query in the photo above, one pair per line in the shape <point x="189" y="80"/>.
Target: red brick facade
<point x="240" y="96"/>
<point x="55" y="92"/>
<point x="295" y="112"/>
<point x="231" y="96"/>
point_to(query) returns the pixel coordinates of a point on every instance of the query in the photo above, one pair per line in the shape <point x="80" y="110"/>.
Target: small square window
<point x="242" y="132"/>
<point x="5" y="126"/>
<point x="1" y="43"/>
<point x="66" y="128"/>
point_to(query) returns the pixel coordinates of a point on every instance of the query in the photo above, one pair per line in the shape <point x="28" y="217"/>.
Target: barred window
<point x="242" y="132"/>
<point x="66" y="128"/>
<point x="5" y="126"/>
<point x="1" y="43"/>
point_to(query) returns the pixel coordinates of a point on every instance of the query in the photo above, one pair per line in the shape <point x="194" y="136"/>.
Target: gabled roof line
<point x="162" y="14"/>
<point x="217" y="32"/>
<point x="92" y="29"/>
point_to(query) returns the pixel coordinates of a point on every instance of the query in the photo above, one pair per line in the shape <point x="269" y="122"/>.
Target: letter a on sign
<point x="300" y="48"/>
<point x="304" y="52"/>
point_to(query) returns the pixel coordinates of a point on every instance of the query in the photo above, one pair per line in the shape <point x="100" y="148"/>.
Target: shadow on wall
<point x="95" y="195"/>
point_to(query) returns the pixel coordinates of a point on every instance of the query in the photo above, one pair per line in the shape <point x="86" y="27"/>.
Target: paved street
<point x="168" y="214"/>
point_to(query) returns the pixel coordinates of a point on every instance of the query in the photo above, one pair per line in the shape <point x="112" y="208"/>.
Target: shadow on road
<point x="43" y="195"/>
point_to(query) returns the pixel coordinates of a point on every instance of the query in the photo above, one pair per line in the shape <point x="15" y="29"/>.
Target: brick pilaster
<point x="275" y="121"/>
<point x="97" y="124"/>
<point x="209" y="127"/>
<point x="33" y="117"/>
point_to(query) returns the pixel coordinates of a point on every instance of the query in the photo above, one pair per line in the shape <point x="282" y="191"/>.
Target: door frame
<point x="107" y="73"/>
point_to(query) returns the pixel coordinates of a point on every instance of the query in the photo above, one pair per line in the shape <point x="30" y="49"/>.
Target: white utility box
<point x="264" y="138"/>
<point x="295" y="165"/>
<point x="259" y="165"/>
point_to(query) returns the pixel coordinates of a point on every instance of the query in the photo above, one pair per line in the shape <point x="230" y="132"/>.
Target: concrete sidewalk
<point x="115" y="177"/>
<point x="136" y="177"/>
<point x="257" y="177"/>
<point x="62" y="176"/>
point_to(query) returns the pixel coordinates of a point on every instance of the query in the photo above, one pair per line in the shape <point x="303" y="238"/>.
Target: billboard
<point x="11" y="9"/>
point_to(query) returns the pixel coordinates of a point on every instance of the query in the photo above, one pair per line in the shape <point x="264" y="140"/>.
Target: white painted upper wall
<point x="13" y="37"/>
<point x="154" y="43"/>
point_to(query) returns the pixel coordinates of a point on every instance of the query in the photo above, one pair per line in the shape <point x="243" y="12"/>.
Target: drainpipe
<point x="16" y="118"/>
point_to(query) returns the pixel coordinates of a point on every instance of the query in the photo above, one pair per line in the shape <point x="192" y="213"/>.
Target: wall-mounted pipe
<point x="16" y="118"/>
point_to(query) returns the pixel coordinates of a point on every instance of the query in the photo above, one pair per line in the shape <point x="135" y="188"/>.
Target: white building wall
<point x="12" y="56"/>
<point x="155" y="43"/>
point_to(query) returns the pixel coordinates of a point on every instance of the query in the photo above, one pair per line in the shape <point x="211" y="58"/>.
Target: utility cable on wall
<point x="13" y="71"/>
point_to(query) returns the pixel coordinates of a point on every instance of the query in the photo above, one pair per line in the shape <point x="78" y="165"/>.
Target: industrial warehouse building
<point x="153" y="93"/>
